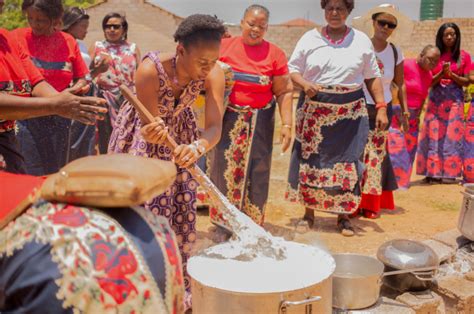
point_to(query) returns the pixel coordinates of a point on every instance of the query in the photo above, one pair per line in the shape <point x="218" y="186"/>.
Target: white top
<point x="386" y="62"/>
<point x="84" y="53"/>
<point x="346" y="64"/>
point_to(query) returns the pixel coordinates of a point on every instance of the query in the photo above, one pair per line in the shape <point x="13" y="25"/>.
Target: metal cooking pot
<point x="404" y="254"/>
<point x="466" y="216"/>
<point x="358" y="278"/>
<point x="215" y="293"/>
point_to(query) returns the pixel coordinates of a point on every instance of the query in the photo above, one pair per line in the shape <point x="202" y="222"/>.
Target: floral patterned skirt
<point x="240" y="163"/>
<point x="440" y="146"/>
<point x="402" y="147"/>
<point x="325" y="166"/>
<point x="468" y="157"/>
<point x="63" y="258"/>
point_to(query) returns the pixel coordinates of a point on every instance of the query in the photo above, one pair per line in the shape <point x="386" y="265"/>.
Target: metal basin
<point x="407" y="254"/>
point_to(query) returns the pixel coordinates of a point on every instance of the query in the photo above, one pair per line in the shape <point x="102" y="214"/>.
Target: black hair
<point x="348" y="3"/>
<point x="53" y="9"/>
<point x="119" y="16"/>
<point x="72" y="16"/>
<point x="428" y="47"/>
<point x="259" y="8"/>
<point x="199" y="28"/>
<point x="456" y="51"/>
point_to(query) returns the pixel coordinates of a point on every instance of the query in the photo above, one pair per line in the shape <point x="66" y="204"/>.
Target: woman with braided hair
<point x="168" y="84"/>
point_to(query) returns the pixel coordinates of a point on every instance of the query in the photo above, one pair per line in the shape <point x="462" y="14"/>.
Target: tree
<point x="12" y="17"/>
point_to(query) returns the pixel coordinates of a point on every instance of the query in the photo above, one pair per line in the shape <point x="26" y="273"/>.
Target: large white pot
<point x="301" y="283"/>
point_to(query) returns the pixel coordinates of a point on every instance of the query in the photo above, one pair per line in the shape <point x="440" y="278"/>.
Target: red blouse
<point x="57" y="56"/>
<point x="18" y="75"/>
<point x="265" y="59"/>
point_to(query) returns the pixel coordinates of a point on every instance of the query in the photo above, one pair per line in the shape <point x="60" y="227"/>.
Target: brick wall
<point x="152" y="27"/>
<point x="424" y="33"/>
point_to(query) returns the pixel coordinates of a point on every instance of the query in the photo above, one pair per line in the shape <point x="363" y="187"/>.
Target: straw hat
<point x="404" y="24"/>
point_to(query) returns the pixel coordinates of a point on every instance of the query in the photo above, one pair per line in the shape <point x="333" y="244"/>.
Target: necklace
<point x="335" y="42"/>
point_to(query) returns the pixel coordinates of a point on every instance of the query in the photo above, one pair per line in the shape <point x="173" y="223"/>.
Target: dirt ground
<point x="421" y="212"/>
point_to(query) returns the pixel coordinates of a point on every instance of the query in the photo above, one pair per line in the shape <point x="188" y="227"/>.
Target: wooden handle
<point x="145" y="115"/>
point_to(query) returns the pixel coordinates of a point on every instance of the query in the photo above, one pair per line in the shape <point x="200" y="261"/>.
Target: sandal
<point x="356" y="213"/>
<point x="345" y="227"/>
<point x="309" y="220"/>
<point x="370" y="214"/>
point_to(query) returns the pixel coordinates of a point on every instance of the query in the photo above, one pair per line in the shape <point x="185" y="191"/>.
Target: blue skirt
<point x="325" y="167"/>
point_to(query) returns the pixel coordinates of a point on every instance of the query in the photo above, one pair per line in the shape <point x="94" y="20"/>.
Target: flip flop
<point x="345" y="227"/>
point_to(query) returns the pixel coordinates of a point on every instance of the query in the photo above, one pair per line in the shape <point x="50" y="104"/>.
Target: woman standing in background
<point x="116" y="60"/>
<point x="402" y="145"/>
<point x="44" y="141"/>
<point x="440" y="147"/>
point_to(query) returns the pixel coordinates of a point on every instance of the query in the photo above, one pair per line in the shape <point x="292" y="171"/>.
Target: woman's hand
<point x="83" y="109"/>
<point x="311" y="89"/>
<point x="285" y="137"/>
<point x="102" y="64"/>
<point x="186" y="155"/>
<point x="381" y="120"/>
<point x="155" y="132"/>
<point x="405" y="121"/>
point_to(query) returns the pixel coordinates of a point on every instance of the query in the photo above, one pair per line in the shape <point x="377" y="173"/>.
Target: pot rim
<point x="376" y="273"/>
<point x="260" y="292"/>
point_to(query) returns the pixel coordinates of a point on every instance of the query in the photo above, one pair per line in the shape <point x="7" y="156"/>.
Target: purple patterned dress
<point x="178" y="203"/>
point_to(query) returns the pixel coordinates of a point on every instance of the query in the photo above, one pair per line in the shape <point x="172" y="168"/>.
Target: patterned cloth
<point x="63" y="259"/>
<point x="121" y="71"/>
<point x="379" y="179"/>
<point x="178" y="203"/>
<point x="441" y="138"/>
<point x="331" y="133"/>
<point x="402" y="147"/>
<point x="240" y="162"/>
<point x="468" y="160"/>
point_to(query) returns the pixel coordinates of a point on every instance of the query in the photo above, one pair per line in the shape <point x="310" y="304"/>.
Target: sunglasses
<point x="113" y="26"/>
<point x="383" y="23"/>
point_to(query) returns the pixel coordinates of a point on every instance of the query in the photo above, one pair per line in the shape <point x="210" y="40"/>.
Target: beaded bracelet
<point x="381" y="105"/>
<point x="286" y="126"/>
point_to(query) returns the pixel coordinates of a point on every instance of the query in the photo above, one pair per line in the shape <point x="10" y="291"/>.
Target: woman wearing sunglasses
<point x="379" y="179"/>
<point x="440" y="150"/>
<point x="116" y="60"/>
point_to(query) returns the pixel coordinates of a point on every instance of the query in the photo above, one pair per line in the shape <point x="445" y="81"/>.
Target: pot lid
<point x="404" y="254"/>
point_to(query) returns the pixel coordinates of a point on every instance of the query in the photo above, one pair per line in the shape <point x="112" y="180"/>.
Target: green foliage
<point x="12" y="17"/>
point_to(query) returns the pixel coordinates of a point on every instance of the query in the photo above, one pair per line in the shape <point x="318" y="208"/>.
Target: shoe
<point x="345" y="227"/>
<point x="309" y="220"/>
<point x="370" y="214"/>
<point x="356" y="213"/>
<point x="448" y="181"/>
<point x="427" y="180"/>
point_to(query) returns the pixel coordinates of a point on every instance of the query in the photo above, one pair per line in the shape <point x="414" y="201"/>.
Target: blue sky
<point x="284" y="10"/>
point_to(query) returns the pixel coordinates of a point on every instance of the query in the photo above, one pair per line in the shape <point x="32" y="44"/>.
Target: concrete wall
<point x="152" y="28"/>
